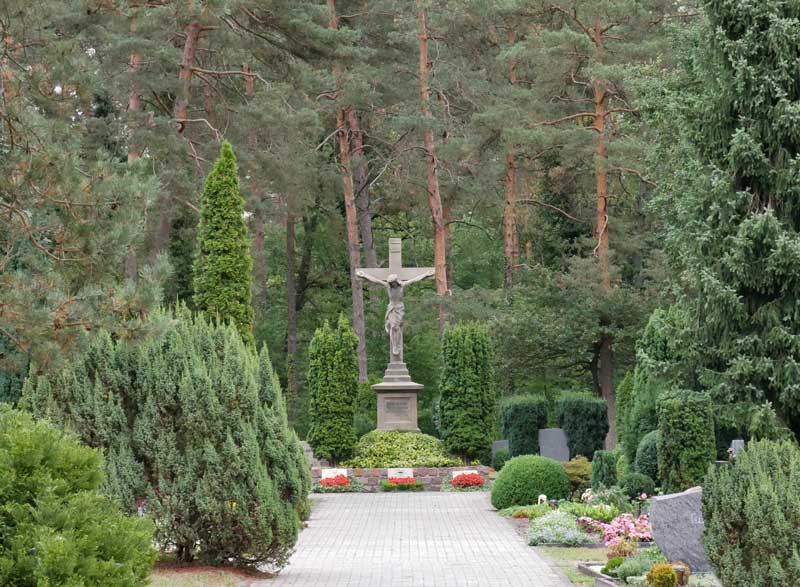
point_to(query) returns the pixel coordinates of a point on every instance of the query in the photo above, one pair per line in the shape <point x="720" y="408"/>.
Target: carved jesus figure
<point x="395" y="311"/>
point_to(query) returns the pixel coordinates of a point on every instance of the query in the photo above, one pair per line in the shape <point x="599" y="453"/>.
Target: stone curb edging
<point x="431" y="477"/>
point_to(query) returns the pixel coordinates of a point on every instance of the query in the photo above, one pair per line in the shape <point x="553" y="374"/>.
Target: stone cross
<point x="397" y="393"/>
<point x="395" y="279"/>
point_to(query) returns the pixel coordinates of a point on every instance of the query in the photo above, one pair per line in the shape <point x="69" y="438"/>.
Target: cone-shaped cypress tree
<point x="194" y="423"/>
<point x="467" y="405"/>
<point x="333" y="386"/>
<point x="223" y="267"/>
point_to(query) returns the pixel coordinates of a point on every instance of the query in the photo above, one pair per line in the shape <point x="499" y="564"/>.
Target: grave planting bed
<point x="431" y="477"/>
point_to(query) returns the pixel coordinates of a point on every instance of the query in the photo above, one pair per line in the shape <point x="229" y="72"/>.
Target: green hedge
<point x="585" y="420"/>
<point x="524" y="478"/>
<point x="686" y="444"/>
<point x="752" y="516"/>
<point x="647" y="455"/>
<point x="379" y="449"/>
<point x="604" y="469"/>
<point x="521" y="417"/>
<point x="333" y="387"/>
<point x="500" y="458"/>
<point x="55" y="526"/>
<point x="468" y="397"/>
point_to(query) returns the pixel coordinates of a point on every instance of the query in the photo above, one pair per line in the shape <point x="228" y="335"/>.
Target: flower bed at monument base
<point x="431" y="477"/>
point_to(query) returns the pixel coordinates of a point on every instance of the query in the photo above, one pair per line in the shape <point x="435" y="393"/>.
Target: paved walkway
<point x="412" y="540"/>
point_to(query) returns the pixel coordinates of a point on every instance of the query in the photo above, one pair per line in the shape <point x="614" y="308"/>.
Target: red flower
<point x="337" y="481"/>
<point x="467" y="480"/>
<point x="402" y="481"/>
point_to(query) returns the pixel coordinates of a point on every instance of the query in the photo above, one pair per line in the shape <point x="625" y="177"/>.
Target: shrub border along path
<point x="412" y="540"/>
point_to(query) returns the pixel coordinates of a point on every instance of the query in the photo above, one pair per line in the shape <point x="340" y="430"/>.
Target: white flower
<point x="58" y="90"/>
<point x="91" y="51"/>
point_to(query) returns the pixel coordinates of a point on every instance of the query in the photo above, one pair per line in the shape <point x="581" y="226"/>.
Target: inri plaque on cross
<point x="396" y="380"/>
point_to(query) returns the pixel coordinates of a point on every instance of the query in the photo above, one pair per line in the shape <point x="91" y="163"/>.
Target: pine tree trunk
<point x="361" y="176"/>
<point x="192" y="33"/>
<point x="434" y="197"/>
<point x="134" y="107"/>
<point x="606" y="358"/>
<point x="351" y="217"/>
<point x="260" y="293"/>
<point x="291" y="319"/>
<point x="509" y="217"/>
<point x="510" y="241"/>
<point x="606" y="376"/>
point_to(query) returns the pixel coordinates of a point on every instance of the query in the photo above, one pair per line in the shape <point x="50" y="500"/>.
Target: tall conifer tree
<point x="732" y="208"/>
<point x="223" y="269"/>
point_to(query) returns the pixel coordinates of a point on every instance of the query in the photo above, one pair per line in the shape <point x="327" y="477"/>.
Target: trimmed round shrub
<point x="604" y="469"/>
<point x="585" y="420"/>
<point x="521" y="417"/>
<point x="635" y="484"/>
<point x="662" y="575"/>
<point x="647" y="455"/>
<point x="500" y="459"/>
<point x="579" y="471"/>
<point x="686" y="444"/>
<point x="380" y="448"/>
<point x="752" y="516"/>
<point x="55" y="526"/>
<point x="525" y="478"/>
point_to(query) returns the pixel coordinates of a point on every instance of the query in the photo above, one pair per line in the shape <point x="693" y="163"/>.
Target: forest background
<point x="527" y="149"/>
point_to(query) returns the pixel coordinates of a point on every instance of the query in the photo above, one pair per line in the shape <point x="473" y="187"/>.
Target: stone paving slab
<point x="412" y="540"/>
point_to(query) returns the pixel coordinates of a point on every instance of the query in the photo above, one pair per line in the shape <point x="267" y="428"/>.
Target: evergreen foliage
<point x="500" y="458"/>
<point x="521" y="417"/>
<point x="333" y="387"/>
<point x="624" y="404"/>
<point x="468" y="395"/>
<point x="643" y="414"/>
<point x="604" y="469"/>
<point x="381" y="448"/>
<point x="524" y="478"/>
<point x="57" y="528"/>
<point x="585" y="421"/>
<point x="636" y="484"/>
<point x="730" y="202"/>
<point x="686" y="445"/>
<point x="223" y="267"/>
<point x="647" y="455"/>
<point x="195" y="424"/>
<point x="752" y="516"/>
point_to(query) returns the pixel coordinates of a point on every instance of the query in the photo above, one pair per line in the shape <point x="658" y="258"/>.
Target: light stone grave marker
<point x="330" y="473"/>
<point x="400" y="472"/>
<point x="736" y="446"/>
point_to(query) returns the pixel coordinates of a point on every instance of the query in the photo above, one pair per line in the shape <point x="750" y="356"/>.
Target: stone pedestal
<point x="397" y="399"/>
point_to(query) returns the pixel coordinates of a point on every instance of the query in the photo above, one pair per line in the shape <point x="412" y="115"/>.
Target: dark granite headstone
<point x="677" y="521"/>
<point x="553" y="444"/>
<point x="499" y="445"/>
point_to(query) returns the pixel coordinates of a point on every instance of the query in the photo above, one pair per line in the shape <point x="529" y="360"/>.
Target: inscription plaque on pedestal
<point x="397" y="411"/>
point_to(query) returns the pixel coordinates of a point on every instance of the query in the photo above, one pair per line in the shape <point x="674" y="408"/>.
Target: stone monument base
<point x="397" y="400"/>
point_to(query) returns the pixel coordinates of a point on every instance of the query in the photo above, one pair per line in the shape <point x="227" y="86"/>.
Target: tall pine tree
<point x="223" y="269"/>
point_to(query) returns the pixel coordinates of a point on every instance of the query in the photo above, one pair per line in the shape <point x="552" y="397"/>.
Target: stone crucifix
<point x="395" y="279"/>
<point x="397" y="393"/>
